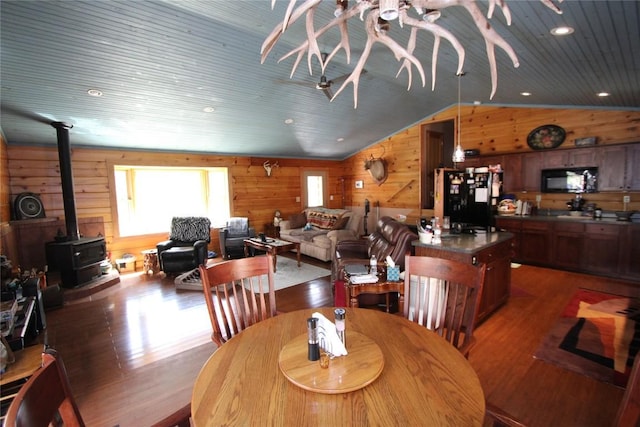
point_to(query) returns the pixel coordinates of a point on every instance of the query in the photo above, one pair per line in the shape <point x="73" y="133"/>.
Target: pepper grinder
<point x="312" y="331"/>
<point x="340" y="325"/>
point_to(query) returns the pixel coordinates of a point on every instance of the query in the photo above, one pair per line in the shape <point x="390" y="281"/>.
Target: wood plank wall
<point x="493" y="130"/>
<point x="36" y="169"/>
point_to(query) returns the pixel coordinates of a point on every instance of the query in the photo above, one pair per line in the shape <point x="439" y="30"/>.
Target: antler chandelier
<point x="379" y="14"/>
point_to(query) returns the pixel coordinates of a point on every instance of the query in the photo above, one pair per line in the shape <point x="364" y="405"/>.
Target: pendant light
<point x="458" y="153"/>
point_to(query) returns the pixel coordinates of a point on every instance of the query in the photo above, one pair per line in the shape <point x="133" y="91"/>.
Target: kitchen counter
<point x="570" y="218"/>
<point x="493" y="249"/>
<point x="467" y="243"/>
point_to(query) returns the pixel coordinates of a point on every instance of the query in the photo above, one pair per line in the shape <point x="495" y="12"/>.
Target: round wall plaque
<point x="546" y="137"/>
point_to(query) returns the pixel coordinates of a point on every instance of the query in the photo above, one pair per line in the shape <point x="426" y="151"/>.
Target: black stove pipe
<point x="66" y="175"/>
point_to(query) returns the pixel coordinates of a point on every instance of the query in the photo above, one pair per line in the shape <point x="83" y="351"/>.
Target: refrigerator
<point x="469" y="199"/>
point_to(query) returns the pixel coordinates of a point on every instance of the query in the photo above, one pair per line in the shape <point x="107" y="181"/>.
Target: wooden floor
<point x="134" y="350"/>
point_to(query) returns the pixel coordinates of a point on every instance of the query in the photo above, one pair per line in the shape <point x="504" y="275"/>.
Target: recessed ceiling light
<point x="208" y="109"/>
<point x="340" y="139"/>
<point x="525" y="93"/>
<point x="561" y="31"/>
<point x="94" y="92"/>
<point x="477" y="102"/>
<point x="288" y="121"/>
<point x="603" y="94"/>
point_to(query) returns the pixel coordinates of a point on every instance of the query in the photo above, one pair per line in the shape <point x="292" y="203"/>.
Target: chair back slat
<point x="443" y="296"/>
<point x="238" y="293"/>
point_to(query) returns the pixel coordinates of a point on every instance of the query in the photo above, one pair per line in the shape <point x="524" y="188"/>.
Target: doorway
<point x="436" y="149"/>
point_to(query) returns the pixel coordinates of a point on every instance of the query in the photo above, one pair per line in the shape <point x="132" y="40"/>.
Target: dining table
<point x="396" y="372"/>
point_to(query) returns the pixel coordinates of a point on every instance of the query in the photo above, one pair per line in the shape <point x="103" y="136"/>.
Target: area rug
<point x="287" y="274"/>
<point x="597" y="335"/>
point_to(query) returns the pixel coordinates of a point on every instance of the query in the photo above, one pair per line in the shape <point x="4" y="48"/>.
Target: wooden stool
<point x="150" y="262"/>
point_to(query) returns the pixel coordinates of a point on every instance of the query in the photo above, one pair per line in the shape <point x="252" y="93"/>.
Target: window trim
<point x="113" y="202"/>
<point x="306" y="172"/>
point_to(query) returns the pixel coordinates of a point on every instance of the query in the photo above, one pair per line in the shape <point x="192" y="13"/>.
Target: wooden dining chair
<point x="629" y="410"/>
<point x="235" y="294"/>
<point x="45" y="398"/>
<point x="444" y="296"/>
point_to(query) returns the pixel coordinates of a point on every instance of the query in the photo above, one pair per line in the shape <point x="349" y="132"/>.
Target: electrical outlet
<point x="538" y="198"/>
<point x="626" y="199"/>
<point x="297" y="199"/>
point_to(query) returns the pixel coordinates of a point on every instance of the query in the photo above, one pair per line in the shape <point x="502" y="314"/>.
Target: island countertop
<point x="493" y="249"/>
<point x="467" y="243"/>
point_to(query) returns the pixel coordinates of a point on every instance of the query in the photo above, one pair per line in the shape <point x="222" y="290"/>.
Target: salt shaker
<point x="340" y="325"/>
<point x="312" y="331"/>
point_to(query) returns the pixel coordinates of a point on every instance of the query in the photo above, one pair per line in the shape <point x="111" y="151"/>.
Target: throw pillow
<point x="341" y="223"/>
<point x="322" y="220"/>
<point x="298" y="220"/>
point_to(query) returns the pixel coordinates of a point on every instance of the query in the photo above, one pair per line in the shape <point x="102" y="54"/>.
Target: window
<point x="314" y="188"/>
<point x="147" y="197"/>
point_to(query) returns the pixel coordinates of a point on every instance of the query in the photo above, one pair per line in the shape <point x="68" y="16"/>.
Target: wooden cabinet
<point x="632" y="171"/>
<point x="611" y="168"/>
<point x="570" y="158"/>
<point x="630" y="251"/>
<point x="601" y="248"/>
<point x="567" y="244"/>
<point x="471" y="162"/>
<point x="617" y="168"/>
<point x="616" y="171"/>
<point x="513" y="226"/>
<point x="535" y="242"/>
<point x="604" y="248"/>
<point x="531" y="166"/>
<point x="512" y="178"/>
<point x="497" y="280"/>
<point x="475" y="162"/>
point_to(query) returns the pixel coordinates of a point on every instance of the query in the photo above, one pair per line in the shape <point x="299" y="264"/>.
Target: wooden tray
<point x="354" y="371"/>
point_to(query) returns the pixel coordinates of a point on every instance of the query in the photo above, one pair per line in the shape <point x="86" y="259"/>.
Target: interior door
<point x="432" y="158"/>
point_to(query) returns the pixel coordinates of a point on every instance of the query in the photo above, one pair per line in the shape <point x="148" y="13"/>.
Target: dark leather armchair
<point x="390" y="238"/>
<point x="187" y="246"/>
<point x="233" y="235"/>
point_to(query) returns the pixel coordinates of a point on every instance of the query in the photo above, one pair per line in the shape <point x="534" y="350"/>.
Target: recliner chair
<point x="233" y="235"/>
<point x="390" y="238"/>
<point x="187" y="246"/>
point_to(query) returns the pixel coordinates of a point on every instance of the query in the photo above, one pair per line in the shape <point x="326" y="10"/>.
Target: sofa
<point x="319" y="229"/>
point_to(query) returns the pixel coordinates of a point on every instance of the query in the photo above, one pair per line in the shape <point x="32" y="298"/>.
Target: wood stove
<point x="76" y="258"/>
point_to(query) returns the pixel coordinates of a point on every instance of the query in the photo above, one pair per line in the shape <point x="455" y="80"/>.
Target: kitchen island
<point x="493" y="249"/>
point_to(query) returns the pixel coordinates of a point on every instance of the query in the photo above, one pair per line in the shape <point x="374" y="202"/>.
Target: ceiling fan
<point x="324" y="84"/>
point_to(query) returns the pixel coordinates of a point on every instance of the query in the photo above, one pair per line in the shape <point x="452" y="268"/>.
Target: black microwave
<point x="571" y="180"/>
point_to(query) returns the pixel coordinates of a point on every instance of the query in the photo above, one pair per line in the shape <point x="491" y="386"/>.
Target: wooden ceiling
<point x="159" y="64"/>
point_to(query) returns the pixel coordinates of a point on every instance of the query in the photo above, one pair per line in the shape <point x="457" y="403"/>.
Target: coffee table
<point x="271" y="246"/>
<point x="382" y="286"/>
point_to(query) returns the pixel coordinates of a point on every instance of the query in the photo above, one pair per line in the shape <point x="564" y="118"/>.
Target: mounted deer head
<point x="268" y="166"/>
<point x="377" y="168"/>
